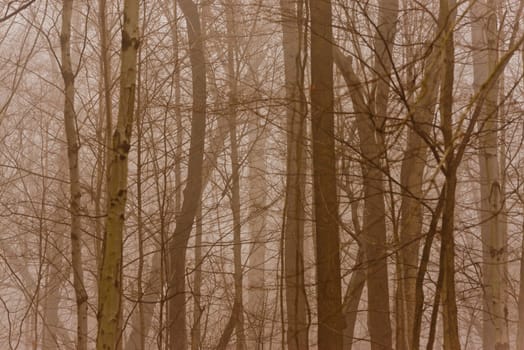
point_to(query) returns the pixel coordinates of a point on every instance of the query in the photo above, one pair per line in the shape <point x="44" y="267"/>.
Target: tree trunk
<point x="235" y="177"/>
<point x="411" y="180"/>
<point x="110" y="283"/>
<point x="374" y="225"/>
<point x="352" y="299"/>
<point x="192" y="192"/>
<point x="484" y="39"/>
<point x="296" y="298"/>
<point x="73" y="147"/>
<point x="53" y="283"/>
<point x="520" y="326"/>
<point x="104" y="135"/>
<point x="330" y="320"/>
<point x="447" y="249"/>
<point x="197" y="285"/>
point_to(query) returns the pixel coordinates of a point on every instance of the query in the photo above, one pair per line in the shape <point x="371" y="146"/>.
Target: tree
<point x="193" y="188"/>
<point x="296" y="298"/>
<point x="110" y="283"/>
<point x="70" y="122"/>
<point x="485" y="55"/>
<point x="329" y="303"/>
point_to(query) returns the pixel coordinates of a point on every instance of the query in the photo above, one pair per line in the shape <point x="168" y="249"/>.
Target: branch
<point x="16" y="11"/>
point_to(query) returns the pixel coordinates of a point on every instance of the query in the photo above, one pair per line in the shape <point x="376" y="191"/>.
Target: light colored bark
<point x="139" y="340"/>
<point x="257" y="296"/>
<point x="73" y="147"/>
<point x="296" y="298"/>
<point x="485" y="56"/>
<point x="110" y="282"/>
<point x="330" y="320"/>
<point x="51" y="302"/>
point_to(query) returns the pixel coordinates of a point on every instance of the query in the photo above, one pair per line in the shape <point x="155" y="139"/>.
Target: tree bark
<point x="197" y="285"/>
<point x="235" y="177"/>
<point x="105" y="129"/>
<point x="447" y="249"/>
<point x="520" y="326"/>
<point x="296" y="298"/>
<point x="330" y="320"/>
<point x="110" y="283"/>
<point x="411" y="181"/>
<point x="73" y="148"/>
<point x="177" y="328"/>
<point x="485" y="55"/>
<point x="374" y="225"/>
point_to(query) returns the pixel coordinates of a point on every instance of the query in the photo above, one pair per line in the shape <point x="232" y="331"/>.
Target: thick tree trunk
<point x="485" y="45"/>
<point x="74" y="175"/>
<point x="110" y="283"/>
<point x="330" y="320"/>
<point x="296" y="298"/>
<point x="192" y="192"/>
<point x="379" y="323"/>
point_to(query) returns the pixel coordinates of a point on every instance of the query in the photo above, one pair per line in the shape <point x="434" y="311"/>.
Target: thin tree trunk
<point x="237" y="243"/>
<point x="139" y="337"/>
<point x="192" y="192"/>
<point x="447" y="249"/>
<point x="50" y="317"/>
<point x="520" y="326"/>
<point x="73" y="148"/>
<point x="296" y="298"/>
<point x="257" y="298"/>
<point x="110" y="283"/>
<point x="106" y="101"/>
<point x="330" y="320"/>
<point x="235" y="177"/>
<point x="197" y="285"/>
<point x="352" y="299"/>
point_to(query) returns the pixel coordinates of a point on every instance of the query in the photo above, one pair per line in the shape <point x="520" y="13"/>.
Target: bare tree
<point x="485" y="56"/>
<point x="71" y="130"/>
<point x="329" y="303"/>
<point x="193" y="188"/>
<point x="110" y="283"/>
<point x="296" y="298"/>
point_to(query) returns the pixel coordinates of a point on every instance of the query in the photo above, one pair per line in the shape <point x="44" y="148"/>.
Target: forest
<point x="262" y="174"/>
